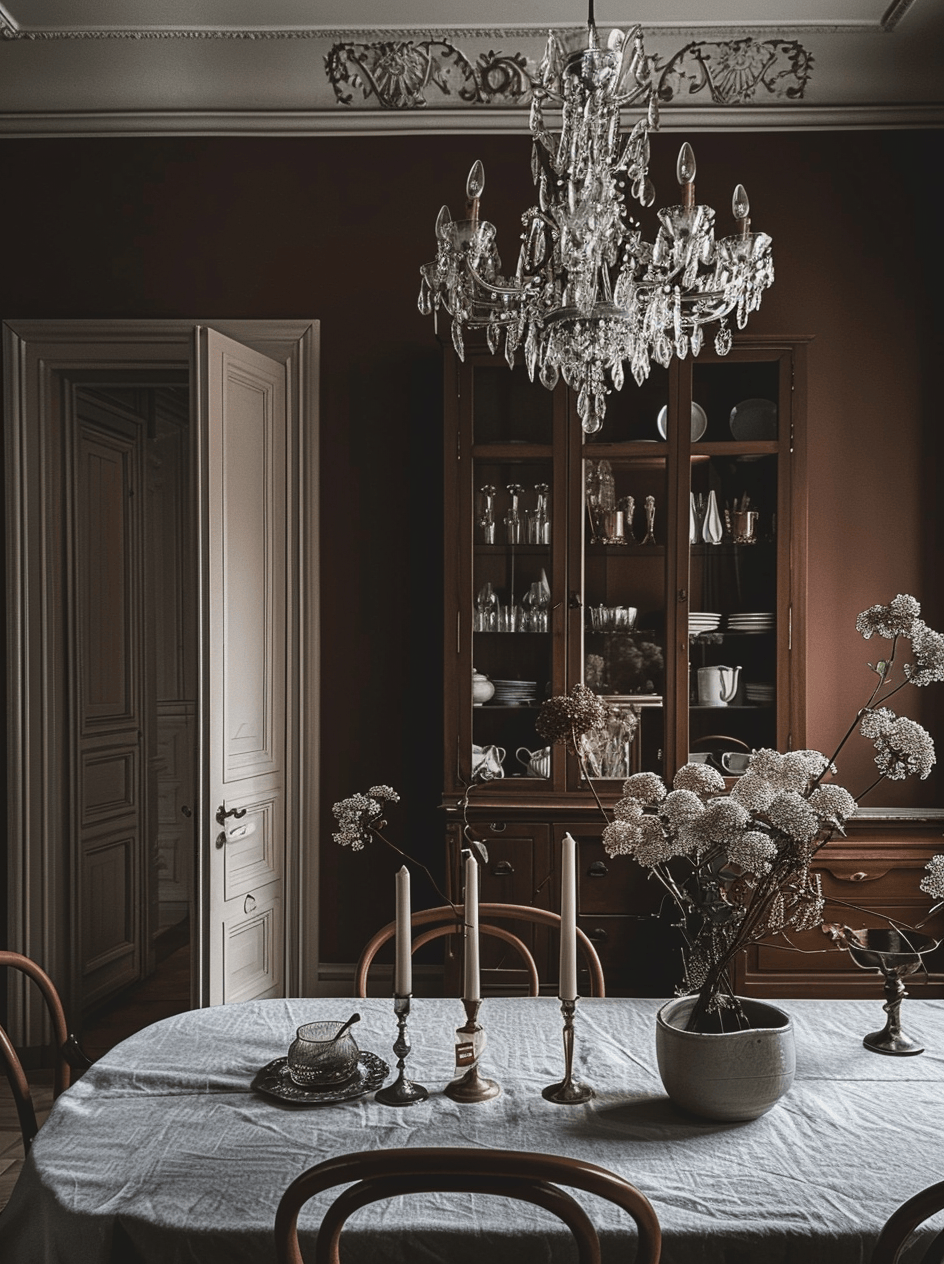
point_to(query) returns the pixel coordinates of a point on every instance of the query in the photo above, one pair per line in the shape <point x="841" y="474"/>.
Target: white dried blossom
<point x="384" y="792"/>
<point x="807" y="911"/>
<point x="620" y="838"/>
<point x="793" y="770"/>
<point x="653" y="845"/>
<point x="790" y="813"/>
<point x="933" y="884"/>
<point x="722" y="819"/>
<point x="699" y="778"/>
<point x="753" y="851"/>
<point x="647" y="787"/>
<point x="895" y="619"/>
<point x="904" y="749"/>
<point x="753" y="792"/>
<point x="928" y="647"/>
<point x="832" y="803"/>
<point x="876" y="722"/>
<point x="627" y="809"/>
<point x="680" y="807"/>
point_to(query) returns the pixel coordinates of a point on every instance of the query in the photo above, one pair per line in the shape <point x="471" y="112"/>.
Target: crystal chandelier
<point x="589" y="294"/>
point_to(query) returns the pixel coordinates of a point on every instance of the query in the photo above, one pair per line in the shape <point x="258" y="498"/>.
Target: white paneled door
<point x="245" y="686"/>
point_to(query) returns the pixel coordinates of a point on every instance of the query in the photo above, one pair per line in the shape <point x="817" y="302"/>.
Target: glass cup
<point x="319" y="1058"/>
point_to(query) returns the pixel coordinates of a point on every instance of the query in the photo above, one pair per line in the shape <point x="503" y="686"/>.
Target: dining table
<point x="169" y="1148"/>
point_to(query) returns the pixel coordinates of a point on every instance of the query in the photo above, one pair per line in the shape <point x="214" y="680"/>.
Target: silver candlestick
<point x="402" y="1092"/>
<point x="470" y="1041"/>
<point x="568" y="1092"/>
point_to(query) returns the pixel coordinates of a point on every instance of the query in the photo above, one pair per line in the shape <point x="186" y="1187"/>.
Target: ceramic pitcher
<point x="717" y="685"/>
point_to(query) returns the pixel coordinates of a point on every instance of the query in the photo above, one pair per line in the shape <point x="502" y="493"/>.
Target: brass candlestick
<point x="568" y="1092"/>
<point x="402" y="1092"/>
<point x="470" y="1041"/>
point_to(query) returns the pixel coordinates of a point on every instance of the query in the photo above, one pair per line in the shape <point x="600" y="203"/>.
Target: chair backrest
<point x="511" y="1173"/>
<point x="902" y="1223"/>
<point x="451" y="919"/>
<point x="67" y="1051"/>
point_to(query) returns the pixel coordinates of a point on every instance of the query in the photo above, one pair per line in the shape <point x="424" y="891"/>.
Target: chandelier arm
<point x="504" y="290"/>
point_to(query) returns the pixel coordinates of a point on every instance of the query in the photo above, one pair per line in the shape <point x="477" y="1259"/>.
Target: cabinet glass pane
<point x="507" y="407"/>
<point x="625" y="534"/>
<point x="733" y="614"/>
<point x="736" y="402"/>
<point x="633" y="414"/>
<point x="511" y="642"/>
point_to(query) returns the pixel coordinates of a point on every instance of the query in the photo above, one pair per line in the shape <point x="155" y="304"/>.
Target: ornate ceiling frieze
<point x="399" y="74"/>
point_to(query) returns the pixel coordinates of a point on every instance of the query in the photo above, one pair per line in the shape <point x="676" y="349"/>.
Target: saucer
<point x="275" y="1081"/>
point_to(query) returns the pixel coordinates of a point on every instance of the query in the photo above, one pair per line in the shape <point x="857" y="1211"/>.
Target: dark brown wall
<point x="336" y="229"/>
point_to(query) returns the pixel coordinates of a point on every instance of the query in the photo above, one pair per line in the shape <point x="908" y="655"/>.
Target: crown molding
<point x="789" y="118"/>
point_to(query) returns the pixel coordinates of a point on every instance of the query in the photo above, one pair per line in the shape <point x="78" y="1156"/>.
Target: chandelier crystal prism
<point x="590" y="295"/>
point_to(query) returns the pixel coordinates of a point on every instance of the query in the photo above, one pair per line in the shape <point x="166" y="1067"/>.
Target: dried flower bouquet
<point x="738" y="865"/>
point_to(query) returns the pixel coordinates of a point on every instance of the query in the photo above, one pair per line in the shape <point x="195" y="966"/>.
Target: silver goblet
<point x="896" y="954"/>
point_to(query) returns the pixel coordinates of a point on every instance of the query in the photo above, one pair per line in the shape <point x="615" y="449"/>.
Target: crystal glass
<point x="320" y="1057"/>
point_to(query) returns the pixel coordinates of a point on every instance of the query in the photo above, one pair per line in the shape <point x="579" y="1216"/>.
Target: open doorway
<point x="134" y="623"/>
<point x="89" y="739"/>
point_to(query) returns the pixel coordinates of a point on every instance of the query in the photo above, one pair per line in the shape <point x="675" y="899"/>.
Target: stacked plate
<point x="515" y="693"/>
<point x="703" y="621"/>
<point x="758" y="621"/>
<point x="761" y="692"/>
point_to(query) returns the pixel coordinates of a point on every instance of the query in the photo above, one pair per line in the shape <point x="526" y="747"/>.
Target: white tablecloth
<point x="161" y="1152"/>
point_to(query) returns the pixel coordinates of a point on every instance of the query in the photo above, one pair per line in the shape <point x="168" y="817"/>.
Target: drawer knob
<point x="598" y="869"/>
<point x="598" y="935"/>
<point x="858" y="877"/>
<point x="502" y="869"/>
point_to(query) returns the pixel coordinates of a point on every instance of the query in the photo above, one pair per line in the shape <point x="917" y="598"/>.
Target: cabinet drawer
<point x="614" y="885"/>
<point x="640" y="956"/>
<point x="822" y="956"/>
<point x="867" y="882"/>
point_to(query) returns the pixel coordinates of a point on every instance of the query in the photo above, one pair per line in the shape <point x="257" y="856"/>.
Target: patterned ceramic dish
<point x="275" y="1081"/>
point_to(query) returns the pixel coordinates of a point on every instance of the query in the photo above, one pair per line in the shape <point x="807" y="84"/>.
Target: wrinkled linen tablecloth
<point x="161" y="1152"/>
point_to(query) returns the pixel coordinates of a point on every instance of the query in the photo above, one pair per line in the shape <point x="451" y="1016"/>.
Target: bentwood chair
<point x="69" y="1055"/>
<point x="451" y="924"/>
<point x="902" y="1223"/>
<point x="516" y="1174"/>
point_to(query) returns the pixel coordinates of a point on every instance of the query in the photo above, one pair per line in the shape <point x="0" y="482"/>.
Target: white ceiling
<point x="47" y="15"/>
<point x="325" y="67"/>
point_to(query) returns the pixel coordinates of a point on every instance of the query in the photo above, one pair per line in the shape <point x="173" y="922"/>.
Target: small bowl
<point x="317" y="1059"/>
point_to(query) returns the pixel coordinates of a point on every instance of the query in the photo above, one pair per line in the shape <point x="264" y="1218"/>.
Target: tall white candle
<point x="568" y="931"/>
<point x="403" y="974"/>
<point x="470" y="989"/>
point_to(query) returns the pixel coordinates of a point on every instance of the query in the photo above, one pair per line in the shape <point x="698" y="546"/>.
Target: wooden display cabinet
<point x="538" y="569"/>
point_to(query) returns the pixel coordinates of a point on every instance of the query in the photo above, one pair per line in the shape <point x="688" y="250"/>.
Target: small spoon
<point x="355" y="1018"/>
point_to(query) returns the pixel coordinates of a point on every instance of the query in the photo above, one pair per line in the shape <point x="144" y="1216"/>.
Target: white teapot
<point x="717" y="685"/>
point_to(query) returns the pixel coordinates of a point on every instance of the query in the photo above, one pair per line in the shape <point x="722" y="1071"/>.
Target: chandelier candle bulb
<point x="403" y="978"/>
<point x="568" y="930"/>
<point x="471" y="990"/>
<point x="741" y="209"/>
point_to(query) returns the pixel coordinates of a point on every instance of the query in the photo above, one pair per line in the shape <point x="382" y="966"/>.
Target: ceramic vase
<point x="726" y="1076"/>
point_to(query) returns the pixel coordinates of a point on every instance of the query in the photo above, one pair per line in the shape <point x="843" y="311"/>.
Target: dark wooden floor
<point x="166" y="992"/>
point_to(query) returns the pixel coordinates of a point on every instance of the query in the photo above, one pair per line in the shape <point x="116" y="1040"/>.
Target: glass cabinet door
<point x="738" y="593"/>
<point x="514" y="523"/>
<point x="624" y="521"/>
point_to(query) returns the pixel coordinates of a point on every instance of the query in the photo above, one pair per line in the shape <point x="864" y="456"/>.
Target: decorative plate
<point x="274" y="1080"/>
<point x="699" y="421"/>
<point x="754" y="419"/>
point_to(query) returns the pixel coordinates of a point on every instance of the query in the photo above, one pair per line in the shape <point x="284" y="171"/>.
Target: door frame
<point x="37" y="356"/>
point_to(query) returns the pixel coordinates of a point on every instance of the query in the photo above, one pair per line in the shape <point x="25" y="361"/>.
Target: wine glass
<point x="896" y="954"/>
